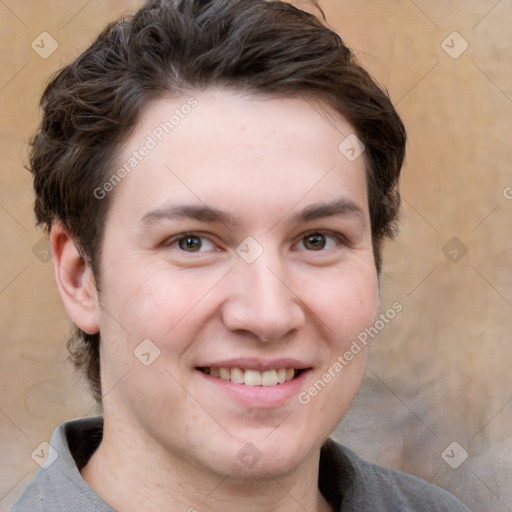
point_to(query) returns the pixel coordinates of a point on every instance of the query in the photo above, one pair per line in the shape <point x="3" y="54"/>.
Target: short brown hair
<point x="173" y="46"/>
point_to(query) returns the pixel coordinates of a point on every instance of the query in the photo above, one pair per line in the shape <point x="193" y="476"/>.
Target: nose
<point x="261" y="300"/>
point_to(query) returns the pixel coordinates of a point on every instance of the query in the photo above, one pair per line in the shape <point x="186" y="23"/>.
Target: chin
<point x="268" y="458"/>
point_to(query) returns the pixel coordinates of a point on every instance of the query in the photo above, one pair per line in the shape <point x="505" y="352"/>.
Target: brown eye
<point x="320" y="241"/>
<point x="190" y="243"/>
<point x="315" y="242"/>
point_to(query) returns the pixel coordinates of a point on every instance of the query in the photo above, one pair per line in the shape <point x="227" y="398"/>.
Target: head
<point x="227" y="70"/>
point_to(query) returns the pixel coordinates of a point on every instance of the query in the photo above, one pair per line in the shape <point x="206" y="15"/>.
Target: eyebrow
<point x="204" y="213"/>
<point x="201" y="213"/>
<point x="342" y="207"/>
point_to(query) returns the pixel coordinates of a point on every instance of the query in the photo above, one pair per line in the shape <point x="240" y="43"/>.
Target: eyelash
<point x="332" y="234"/>
<point x="176" y="239"/>
<point x="340" y="239"/>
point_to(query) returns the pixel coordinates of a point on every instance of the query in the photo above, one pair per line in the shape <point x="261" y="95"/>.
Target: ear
<point x="75" y="280"/>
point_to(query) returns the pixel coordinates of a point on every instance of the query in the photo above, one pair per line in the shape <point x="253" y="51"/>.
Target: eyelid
<point x="170" y="241"/>
<point x="327" y="232"/>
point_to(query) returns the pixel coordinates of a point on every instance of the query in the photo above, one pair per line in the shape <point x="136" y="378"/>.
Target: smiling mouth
<point x="253" y="377"/>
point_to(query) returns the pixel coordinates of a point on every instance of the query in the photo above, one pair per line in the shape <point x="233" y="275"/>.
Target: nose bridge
<point x="269" y="290"/>
<point x="261" y="300"/>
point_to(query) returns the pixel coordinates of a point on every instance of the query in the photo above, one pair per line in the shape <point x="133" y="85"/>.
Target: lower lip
<point x="259" y="396"/>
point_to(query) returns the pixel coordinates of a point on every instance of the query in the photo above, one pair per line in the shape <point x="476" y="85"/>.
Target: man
<point x="217" y="179"/>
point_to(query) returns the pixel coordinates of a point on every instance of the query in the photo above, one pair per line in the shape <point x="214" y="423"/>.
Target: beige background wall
<point x="440" y="371"/>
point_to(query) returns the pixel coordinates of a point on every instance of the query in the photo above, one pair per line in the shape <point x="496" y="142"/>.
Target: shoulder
<point x="58" y="485"/>
<point x="374" y="487"/>
<point x="31" y="498"/>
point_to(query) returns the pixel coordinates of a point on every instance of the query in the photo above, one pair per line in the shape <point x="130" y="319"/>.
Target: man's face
<point x="240" y="246"/>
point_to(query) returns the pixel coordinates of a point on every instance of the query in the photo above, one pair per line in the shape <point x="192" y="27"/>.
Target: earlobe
<point x="75" y="280"/>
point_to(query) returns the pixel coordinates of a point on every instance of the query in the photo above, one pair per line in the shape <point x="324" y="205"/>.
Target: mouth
<point x="251" y="377"/>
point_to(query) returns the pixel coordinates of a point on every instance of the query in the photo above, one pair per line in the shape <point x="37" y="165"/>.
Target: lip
<point x="257" y="397"/>
<point x="249" y="363"/>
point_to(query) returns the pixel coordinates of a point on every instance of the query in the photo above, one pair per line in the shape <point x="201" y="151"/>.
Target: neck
<point x="140" y="475"/>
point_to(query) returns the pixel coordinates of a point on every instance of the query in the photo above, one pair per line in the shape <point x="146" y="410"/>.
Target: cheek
<point x="347" y="303"/>
<point x="158" y="303"/>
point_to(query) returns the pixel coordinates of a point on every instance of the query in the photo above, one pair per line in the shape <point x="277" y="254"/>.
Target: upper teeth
<point x="252" y="377"/>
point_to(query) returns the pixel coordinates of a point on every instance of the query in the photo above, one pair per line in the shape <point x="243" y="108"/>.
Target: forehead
<point x="238" y="152"/>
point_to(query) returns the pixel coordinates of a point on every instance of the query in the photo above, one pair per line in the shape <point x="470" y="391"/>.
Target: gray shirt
<point x="348" y="482"/>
